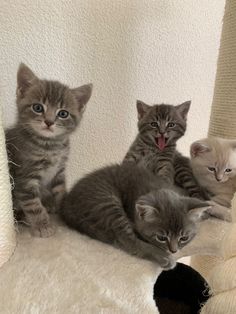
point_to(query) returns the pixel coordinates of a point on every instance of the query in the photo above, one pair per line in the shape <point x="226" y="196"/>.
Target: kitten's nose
<point x="49" y="122"/>
<point x="173" y="250"/>
<point x="219" y="178"/>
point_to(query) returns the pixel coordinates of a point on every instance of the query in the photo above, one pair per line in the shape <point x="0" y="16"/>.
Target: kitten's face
<point x="49" y="108"/>
<point x="161" y="125"/>
<point x="168" y="220"/>
<point x="214" y="159"/>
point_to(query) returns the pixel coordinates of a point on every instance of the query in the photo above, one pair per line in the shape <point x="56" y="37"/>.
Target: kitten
<point x="160" y="126"/>
<point x="213" y="162"/>
<point x="38" y="145"/>
<point x="128" y="207"/>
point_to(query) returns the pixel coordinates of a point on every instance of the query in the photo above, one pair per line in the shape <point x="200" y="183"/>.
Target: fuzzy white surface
<point x="70" y="273"/>
<point x="7" y="232"/>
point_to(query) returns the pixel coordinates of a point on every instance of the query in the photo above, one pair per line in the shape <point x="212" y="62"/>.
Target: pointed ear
<point x="183" y="109"/>
<point x="82" y="95"/>
<point x="25" y="79"/>
<point x="199" y="147"/>
<point x="142" y="108"/>
<point x="146" y="212"/>
<point x="197" y="209"/>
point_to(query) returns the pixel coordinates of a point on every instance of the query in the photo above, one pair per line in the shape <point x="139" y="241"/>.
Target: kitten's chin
<point x="48" y="133"/>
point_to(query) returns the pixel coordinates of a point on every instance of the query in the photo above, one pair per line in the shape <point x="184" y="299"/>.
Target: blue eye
<point x="161" y="238"/>
<point x="228" y="170"/>
<point x="63" y="114"/>
<point x="171" y="125"/>
<point x="211" y="169"/>
<point x="154" y="124"/>
<point x="38" y="108"/>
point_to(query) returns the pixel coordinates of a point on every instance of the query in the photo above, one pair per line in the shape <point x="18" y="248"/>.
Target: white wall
<point x="156" y="51"/>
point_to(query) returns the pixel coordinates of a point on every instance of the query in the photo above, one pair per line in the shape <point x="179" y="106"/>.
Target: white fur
<point x="70" y="273"/>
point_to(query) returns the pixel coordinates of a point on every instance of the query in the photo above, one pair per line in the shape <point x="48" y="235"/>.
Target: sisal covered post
<point x="7" y="232"/>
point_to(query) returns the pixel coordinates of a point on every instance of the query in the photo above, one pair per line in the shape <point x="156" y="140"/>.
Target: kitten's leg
<point x="59" y="188"/>
<point x="184" y="178"/>
<point x="166" y="170"/>
<point x="35" y="213"/>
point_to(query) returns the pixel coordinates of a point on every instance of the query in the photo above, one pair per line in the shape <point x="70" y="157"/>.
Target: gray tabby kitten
<point x="160" y="126"/>
<point x="38" y="145"/>
<point x="128" y="207"/>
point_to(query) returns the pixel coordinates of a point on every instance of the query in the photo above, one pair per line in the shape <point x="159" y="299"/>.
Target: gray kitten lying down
<point x="130" y="208"/>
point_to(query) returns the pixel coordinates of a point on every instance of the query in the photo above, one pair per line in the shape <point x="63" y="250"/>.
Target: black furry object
<point x="181" y="290"/>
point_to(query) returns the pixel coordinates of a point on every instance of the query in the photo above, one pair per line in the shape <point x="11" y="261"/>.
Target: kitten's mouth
<point x="161" y="142"/>
<point x="49" y="130"/>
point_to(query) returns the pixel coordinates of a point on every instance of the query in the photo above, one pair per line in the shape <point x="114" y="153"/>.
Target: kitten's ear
<point x="183" y="109"/>
<point x="197" y="209"/>
<point x="82" y="95"/>
<point x="142" y="108"/>
<point x="25" y="79"/>
<point x="198" y="148"/>
<point x="145" y="212"/>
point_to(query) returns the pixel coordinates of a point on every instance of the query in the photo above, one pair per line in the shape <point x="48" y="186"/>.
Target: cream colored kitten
<point x="214" y="166"/>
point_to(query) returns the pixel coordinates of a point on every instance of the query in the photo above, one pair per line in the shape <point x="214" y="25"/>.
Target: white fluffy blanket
<point x="70" y="273"/>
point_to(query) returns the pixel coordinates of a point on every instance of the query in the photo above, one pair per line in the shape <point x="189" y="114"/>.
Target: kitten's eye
<point x="184" y="239"/>
<point x="171" y="125"/>
<point x="63" y="114"/>
<point x="38" y="108"/>
<point x="161" y="238"/>
<point x="228" y="170"/>
<point x="154" y="124"/>
<point x="211" y="169"/>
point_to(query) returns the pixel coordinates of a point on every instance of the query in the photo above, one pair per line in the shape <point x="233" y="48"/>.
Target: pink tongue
<point x="161" y="142"/>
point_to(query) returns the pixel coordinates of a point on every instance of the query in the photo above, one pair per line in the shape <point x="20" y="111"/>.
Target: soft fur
<point x="213" y="162"/>
<point x="38" y="145"/>
<point x="160" y="127"/>
<point x="71" y="273"/>
<point x="128" y="206"/>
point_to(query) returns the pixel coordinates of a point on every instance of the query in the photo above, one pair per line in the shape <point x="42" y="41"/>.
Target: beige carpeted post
<point x="222" y="124"/>
<point x="7" y="232"/>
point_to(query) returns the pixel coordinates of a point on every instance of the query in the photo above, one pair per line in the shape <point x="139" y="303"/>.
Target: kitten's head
<point x="168" y="220"/>
<point x="214" y="159"/>
<point x="48" y="108"/>
<point x="162" y="125"/>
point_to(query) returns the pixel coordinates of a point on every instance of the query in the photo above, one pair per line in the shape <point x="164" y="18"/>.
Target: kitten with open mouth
<point x="160" y="127"/>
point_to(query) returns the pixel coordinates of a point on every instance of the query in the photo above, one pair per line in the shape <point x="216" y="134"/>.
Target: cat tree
<point x="69" y="272"/>
<point x="220" y="272"/>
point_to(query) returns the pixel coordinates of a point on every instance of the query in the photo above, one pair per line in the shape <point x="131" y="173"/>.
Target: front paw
<point x="43" y="230"/>
<point x="219" y="212"/>
<point x="167" y="263"/>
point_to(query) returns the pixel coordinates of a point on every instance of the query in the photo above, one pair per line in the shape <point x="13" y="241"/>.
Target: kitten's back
<point x="114" y="184"/>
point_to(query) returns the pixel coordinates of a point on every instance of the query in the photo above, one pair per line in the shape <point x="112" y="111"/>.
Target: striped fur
<point x="166" y="162"/>
<point x="130" y="208"/>
<point x="37" y="152"/>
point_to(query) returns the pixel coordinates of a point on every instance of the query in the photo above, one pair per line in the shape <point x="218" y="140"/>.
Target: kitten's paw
<point x="219" y="212"/>
<point x="167" y="263"/>
<point x="44" y="231"/>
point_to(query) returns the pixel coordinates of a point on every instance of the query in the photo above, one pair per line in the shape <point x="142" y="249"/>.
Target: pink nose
<point x="48" y="122"/>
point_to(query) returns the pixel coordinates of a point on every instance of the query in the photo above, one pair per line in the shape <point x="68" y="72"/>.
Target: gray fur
<point x="127" y="206"/>
<point x="164" y="161"/>
<point x="37" y="152"/>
